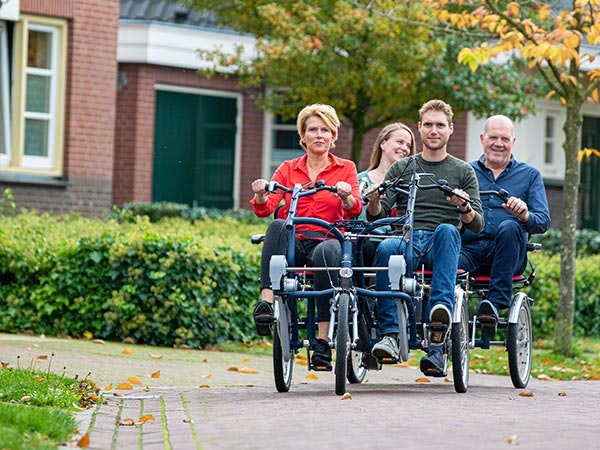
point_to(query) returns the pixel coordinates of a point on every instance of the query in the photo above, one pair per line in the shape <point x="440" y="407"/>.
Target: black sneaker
<point x="321" y="357"/>
<point x="434" y="364"/>
<point x="263" y="318"/>
<point x="488" y="318"/>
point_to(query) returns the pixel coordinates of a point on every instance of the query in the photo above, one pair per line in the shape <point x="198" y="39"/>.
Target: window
<point x="38" y="68"/>
<point x="550" y="139"/>
<point x="285" y="142"/>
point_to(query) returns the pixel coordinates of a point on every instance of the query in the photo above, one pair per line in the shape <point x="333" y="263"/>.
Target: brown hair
<point x="437" y="105"/>
<point x="325" y="112"/>
<point x="383" y="135"/>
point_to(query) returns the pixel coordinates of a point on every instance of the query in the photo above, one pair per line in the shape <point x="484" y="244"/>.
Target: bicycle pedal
<point x="321" y="368"/>
<point x="388" y="360"/>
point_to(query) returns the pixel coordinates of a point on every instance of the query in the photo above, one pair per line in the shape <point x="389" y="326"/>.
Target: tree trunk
<point x="563" y="322"/>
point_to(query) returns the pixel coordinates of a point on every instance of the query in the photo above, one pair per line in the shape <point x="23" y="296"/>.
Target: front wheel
<point x="283" y="356"/>
<point x="459" y="336"/>
<point x="342" y="343"/>
<point x="357" y="370"/>
<point x="519" y="346"/>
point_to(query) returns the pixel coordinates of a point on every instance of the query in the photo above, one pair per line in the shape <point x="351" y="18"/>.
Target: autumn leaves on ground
<point x="114" y="369"/>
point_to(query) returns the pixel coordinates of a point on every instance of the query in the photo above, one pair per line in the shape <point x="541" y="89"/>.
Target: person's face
<point x="317" y="138"/>
<point x="497" y="144"/>
<point x="435" y="130"/>
<point x="396" y="146"/>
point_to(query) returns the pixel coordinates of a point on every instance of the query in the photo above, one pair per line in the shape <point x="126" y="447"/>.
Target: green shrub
<point x="587" y="241"/>
<point x="168" y="283"/>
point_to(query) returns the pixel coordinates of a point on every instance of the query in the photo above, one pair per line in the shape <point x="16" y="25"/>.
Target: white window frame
<point x="552" y="140"/>
<point x="17" y="161"/>
<point x="270" y="128"/>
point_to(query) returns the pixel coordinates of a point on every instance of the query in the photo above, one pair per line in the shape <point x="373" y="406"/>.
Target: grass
<point x="36" y="408"/>
<point x="585" y="365"/>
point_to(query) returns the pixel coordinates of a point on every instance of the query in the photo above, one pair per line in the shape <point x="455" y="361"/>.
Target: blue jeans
<point x="437" y="250"/>
<point x="501" y="258"/>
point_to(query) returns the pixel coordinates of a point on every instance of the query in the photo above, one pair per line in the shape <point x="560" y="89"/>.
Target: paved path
<point x="383" y="413"/>
<point x="241" y="409"/>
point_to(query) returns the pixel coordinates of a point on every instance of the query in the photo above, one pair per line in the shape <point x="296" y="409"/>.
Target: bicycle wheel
<point x="283" y="357"/>
<point x="403" y="331"/>
<point x="357" y="371"/>
<point x="519" y="342"/>
<point x="459" y="336"/>
<point x="342" y="344"/>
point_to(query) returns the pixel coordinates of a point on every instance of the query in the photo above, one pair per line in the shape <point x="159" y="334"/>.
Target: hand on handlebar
<point x="517" y="208"/>
<point x="260" y="189"/>
<point x="457" y="197"/>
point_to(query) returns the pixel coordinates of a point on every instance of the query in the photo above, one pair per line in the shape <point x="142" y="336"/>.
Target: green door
<point x="589" y="186"/>
<point x="194" y="149"/>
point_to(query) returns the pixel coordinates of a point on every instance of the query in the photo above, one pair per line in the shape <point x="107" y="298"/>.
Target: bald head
<point x="497" y="140"/>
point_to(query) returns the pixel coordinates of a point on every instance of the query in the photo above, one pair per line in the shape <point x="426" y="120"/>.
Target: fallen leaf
<point x="204" y="386"/>
<point x="233" y="369"/>
<point x="562" y="394"/>
<point x="88" y="335"/>
<point x="42" y="357"/>
<point x="301" y="356"/>
<point x="204" y="360"/>
<point x="423" y="380"/>
<point x="39" y="378"/>
<point x="99" y="341"/>
<point x="93" y="396"/>
<point x="127" y="422"/>
<point x="124" y="386"/>
<point x="128" y="351"/>
<point x="84" y="441"/>
<point x="145" y="418"/>
<point x="146" y="389"/>
<point x="347" y="396"/>
<point x="155" y="374"/>
<point x="5" y="364"/>
<point x="208" y="375"/>
<point x="512" y="439"/>
<point x="526" y="394"/>
<point x="246" y="359"/>
<point x="128" y="340"/>
<point x="302" y="362"/>
<point x="25" y="398"/>
<point x="116" y="394"/>
<point x="188" y="421"/>
<point x="185" y="347"/>
<point x="447" y="380"/>
<point x="134" y="380"/>
<point x="155" y="356"/>
<point x="108" y="387"/>
<point x="312" y="376"/>
<point x="544" y="377"/>
<point x="248" y="370"/>
<point x="265" y="344"/>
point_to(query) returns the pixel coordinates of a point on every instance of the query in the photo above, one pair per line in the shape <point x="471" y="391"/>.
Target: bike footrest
<point x="328" y="368"/>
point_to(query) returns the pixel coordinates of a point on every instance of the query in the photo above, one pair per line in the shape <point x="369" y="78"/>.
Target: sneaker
<point x="488" y="318"/>
<point x="434" y="364"/>
<point x="321" y="357"/>
<point x="439" y="325"/>
<point x="386" y="348"/>
<point x="263" y="318"/>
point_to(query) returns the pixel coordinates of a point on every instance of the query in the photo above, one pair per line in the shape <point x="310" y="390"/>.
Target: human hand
<point x="517" y="208"/>
<point x="459" y="199"/>
<point x="259" y="187"/>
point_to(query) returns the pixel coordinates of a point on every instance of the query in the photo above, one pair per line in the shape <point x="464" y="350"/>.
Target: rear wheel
<point x="283" y="356"/>
<point x="519" y="346"/>
<point x="459" y="335"/>
<point x="342" y="344"/>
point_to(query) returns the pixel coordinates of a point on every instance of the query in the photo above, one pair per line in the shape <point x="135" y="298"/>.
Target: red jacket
<point x="323" y="205"/>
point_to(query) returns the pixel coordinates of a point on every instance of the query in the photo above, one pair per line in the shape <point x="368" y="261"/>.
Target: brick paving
<point x="390" y="410"/>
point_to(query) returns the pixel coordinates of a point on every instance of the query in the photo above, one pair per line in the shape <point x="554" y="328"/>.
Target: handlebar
<point x="394" y="183"/>
<point x="502" y="194"/>
<point x="319" y="185"/>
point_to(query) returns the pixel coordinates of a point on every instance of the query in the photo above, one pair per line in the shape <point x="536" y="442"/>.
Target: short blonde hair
<point x="437" y="105"/>
<point x="325" y="112"/>
<point x="385" y="134"/>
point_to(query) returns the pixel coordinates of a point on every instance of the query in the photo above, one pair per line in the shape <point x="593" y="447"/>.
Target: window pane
<point x="39" y="49"/>
<point x="38" y="94"/>
<point x="36" y="137"/>
<point x="550" y="127"/>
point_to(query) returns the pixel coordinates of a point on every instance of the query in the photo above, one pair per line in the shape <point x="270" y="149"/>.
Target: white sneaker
<point x="386" y="348"/>
<point x="440" y="323"/>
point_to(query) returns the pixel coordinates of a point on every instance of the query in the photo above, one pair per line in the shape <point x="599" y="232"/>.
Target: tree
<point x="375" y="62"/>
<point x="550" y="38"/>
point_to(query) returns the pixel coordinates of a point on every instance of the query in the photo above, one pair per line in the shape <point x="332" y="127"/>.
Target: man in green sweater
<point x="438" y="217"/>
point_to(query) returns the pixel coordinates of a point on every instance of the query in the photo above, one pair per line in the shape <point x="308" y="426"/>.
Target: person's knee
<point x="328" y="251"/>
<point x="277" y="226"/>
<point x="385" y="249"/>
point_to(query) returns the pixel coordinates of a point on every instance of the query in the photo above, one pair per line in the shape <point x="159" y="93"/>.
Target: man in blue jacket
<point x="500" y="249"/>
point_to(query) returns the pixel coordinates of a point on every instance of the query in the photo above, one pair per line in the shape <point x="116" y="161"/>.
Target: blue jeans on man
<point x="437" y="250"/>
<point x="502" y="256"/>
